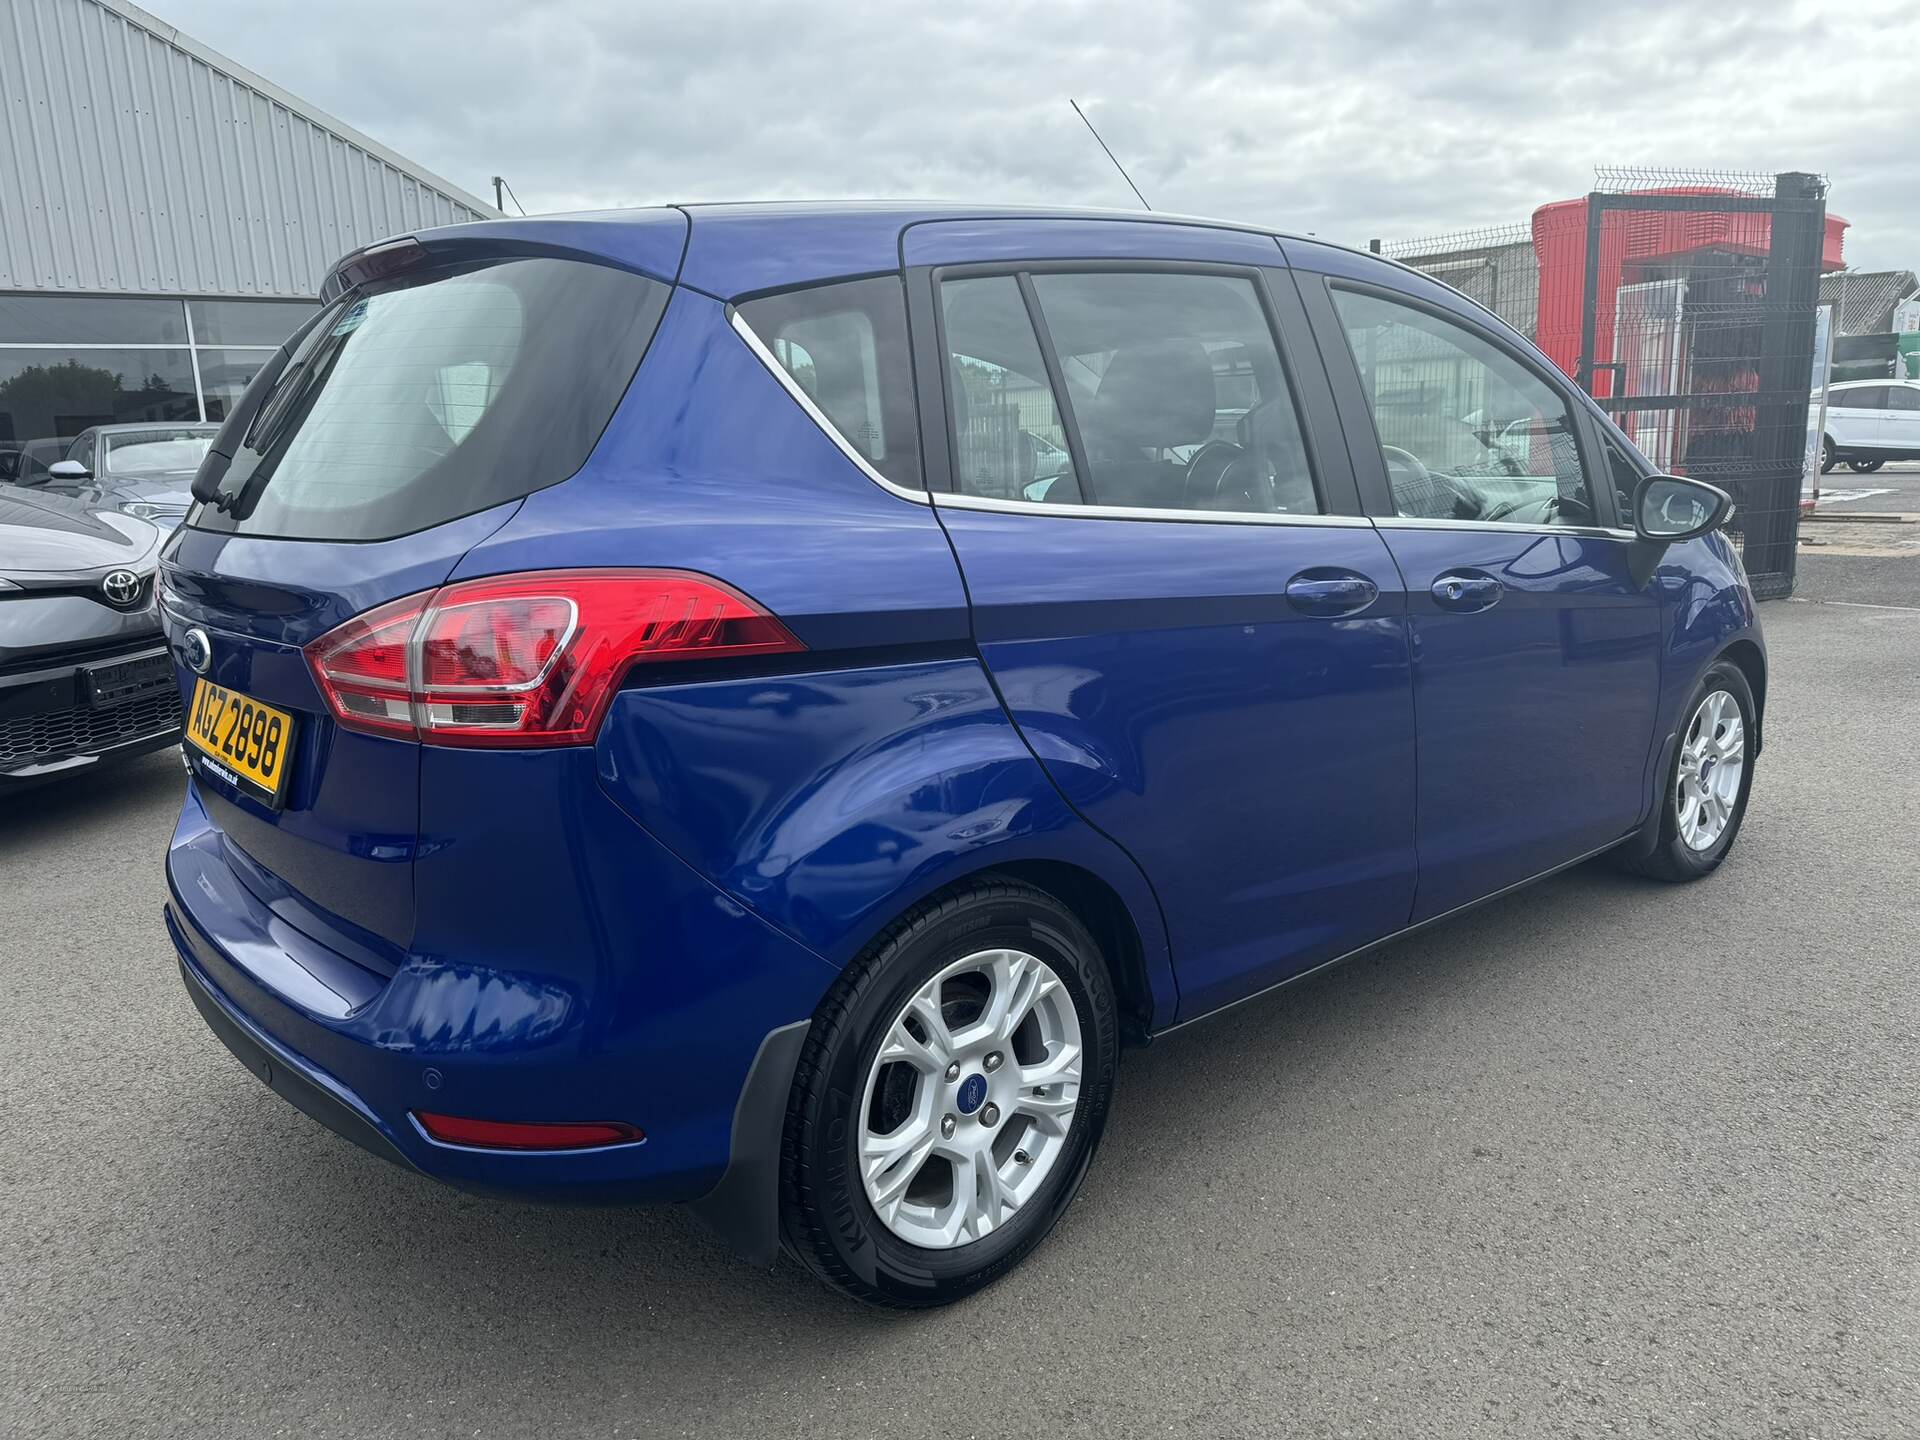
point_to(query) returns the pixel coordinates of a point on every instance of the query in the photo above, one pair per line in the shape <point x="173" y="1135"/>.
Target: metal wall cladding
<point x="134" y="160"/>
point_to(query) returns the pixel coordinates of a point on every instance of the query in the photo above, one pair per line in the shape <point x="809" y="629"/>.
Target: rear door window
<point x="845" y="346"/>
<point x="422" y="399"/>
<point x="1009" y="440"/>
<point x="1178" y="391"/>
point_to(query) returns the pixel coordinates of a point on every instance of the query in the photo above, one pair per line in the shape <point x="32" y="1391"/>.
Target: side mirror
<point x="69" y="470"/>
<point x="1669" y="508"/>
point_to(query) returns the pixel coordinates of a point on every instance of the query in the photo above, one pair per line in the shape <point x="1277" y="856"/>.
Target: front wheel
<point x="949" y="1098"/>
<point x="1864" y="467"/>
<point x="1828" y="457"/>
<point x="1705" y="797"/>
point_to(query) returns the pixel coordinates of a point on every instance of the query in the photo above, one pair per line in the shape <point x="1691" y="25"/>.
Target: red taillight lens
<point x="526" y="1135"/>
<point x="528" y="660"/>
<point x="506" y="643"/>
<point x="364" y="667"/>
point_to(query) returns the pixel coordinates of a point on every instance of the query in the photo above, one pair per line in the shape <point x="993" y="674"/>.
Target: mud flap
<point x="744" y="1208"/>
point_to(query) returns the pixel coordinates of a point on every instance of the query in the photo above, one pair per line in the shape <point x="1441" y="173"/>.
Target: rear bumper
<point x="284" y="1073"/>
<point x="363" y="1053"/>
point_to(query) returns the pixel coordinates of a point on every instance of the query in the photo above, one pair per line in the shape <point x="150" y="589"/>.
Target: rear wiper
<point x="206" y="480"/>
<point x="253" y="409"/>
<point x="222" y="500"/>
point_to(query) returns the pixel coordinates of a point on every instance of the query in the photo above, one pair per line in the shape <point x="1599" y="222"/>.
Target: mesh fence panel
<point x="1684" y="302"/>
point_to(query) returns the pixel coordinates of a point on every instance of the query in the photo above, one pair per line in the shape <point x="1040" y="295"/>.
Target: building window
<point x="68" y="362"/>
<point x="246" y="322"/>
<point x="90" y="320"/>
<point x="52" y="395"/>
<point x="224" y="375"/>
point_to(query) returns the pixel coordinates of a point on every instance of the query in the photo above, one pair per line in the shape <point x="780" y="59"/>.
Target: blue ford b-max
<point x="757" y="706"/>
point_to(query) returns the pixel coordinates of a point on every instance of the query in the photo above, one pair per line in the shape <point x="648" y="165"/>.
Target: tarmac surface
<point x="1606" y="1157"/>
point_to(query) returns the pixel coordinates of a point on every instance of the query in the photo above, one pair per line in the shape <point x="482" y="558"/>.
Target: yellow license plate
<point x="249" y="744"/>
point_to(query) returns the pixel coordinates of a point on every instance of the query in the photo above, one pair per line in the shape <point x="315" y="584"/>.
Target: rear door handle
<point x="1467" y="591"/>
<point x="1328" y="593"/>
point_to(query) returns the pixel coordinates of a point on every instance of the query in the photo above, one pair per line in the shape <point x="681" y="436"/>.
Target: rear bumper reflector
<point x="525" y="1135"/>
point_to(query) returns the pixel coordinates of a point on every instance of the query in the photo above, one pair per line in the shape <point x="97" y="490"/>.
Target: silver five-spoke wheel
<point x="1713" y="759"/>
<point x="970" y="1099"/>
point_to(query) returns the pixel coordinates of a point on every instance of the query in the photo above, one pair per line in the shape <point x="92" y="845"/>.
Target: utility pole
<point x="499" y="199"/>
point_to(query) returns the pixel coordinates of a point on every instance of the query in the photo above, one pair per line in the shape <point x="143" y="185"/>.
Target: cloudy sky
<point x="1397" y="119"/>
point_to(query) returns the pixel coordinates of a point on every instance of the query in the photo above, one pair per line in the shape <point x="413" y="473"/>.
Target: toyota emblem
<point x="196" y="650"/>
<point x="122" y="588"/>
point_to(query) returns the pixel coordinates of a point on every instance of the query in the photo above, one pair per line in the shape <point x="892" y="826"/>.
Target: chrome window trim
<point x="1409" y="522"/>
<point x="1124" y="512"/>
<point x="1120" y="512"/>
<point x="815" y="413"/>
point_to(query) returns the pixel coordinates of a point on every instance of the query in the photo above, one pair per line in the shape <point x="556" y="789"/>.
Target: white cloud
<point x="1398" y="119"/>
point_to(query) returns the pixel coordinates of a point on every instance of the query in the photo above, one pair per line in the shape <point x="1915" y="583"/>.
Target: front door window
<point x="1467" y="431"/>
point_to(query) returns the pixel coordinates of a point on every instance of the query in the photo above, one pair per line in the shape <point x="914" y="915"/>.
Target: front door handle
<point x="1329" y="593"/>
<point x="1467" y="591"/>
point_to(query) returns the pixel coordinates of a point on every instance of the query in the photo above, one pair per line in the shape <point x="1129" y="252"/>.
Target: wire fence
<point x="1685" y="302"/>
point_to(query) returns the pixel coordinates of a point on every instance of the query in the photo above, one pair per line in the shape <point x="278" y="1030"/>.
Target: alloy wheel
<point x="1713" y="760"/>
<point x="970" y="1099"/>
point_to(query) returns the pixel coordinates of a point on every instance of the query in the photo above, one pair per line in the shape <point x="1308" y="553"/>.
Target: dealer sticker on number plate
<point x="249" y="742"/>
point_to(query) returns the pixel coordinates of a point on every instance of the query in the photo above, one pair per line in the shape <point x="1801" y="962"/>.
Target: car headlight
<point x="140" y="509"/>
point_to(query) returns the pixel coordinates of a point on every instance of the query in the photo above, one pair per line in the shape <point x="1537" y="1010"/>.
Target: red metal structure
<point x="1686" y="303"/>
<point x="1636" y="246"/>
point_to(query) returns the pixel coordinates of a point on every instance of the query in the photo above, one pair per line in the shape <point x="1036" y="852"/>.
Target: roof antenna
<point x="499" y="201"/>
<point x="1103" y="145"/>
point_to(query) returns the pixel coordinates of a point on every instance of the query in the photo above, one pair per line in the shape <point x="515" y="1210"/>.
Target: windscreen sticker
<point x="350" y="322"/>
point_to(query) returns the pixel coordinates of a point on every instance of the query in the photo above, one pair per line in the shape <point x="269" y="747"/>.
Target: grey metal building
<point x="166" y="217"/>
<point x="1864" y="300"/>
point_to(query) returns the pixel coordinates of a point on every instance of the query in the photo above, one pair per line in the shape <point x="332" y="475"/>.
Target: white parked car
<point x="1870" y="422"/>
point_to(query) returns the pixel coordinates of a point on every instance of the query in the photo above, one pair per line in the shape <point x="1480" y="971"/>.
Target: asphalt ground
<point x="1892" y="489"/>
<point x="1873" y="559"/>
<point x="1603" y="1158"/>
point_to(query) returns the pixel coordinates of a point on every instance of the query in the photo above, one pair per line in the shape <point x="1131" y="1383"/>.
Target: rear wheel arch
<point x="1098" y="906"/>
<point x="1126" y="941"/>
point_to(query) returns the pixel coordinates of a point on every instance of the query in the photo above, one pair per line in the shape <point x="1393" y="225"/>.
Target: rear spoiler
<point x="647" y="242"/>
<point x="374" y="262"/>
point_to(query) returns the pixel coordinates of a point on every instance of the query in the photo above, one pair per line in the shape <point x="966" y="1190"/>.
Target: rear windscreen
<point x="414" y="402"/>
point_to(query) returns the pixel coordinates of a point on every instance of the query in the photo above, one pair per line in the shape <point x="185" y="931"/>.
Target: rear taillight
<point x="528" y="660"/>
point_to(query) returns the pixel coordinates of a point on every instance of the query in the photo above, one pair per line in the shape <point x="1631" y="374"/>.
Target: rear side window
<point x="420" y="400"/>
<point x="1179" y="392"/>
<point x="1866" y="397"/>
<point x="845" y="345"/>
<point x="1172" y="388"/>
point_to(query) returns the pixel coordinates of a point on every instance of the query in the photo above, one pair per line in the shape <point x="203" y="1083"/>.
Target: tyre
<point x="1864" y="467"/>
<point x="1704" y="798"/>
<point x="950" y="1096"/>
<point x="1828" y="458"/>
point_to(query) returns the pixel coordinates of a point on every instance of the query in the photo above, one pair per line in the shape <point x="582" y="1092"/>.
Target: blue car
<point x="757" y="706"/>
